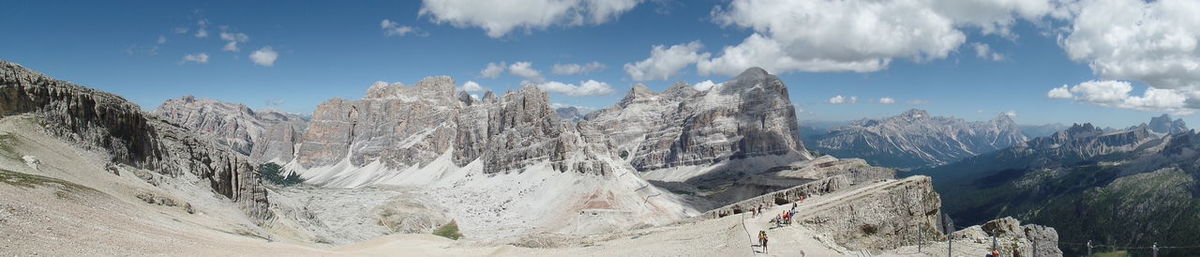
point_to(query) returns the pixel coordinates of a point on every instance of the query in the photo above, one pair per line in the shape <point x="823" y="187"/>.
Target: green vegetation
<point x="7" y="141"/>
<point x="450" y="230"/>
<point x="1112" y="254"/>
<point x="18" y="179"/>
<point x="272" y="172"/>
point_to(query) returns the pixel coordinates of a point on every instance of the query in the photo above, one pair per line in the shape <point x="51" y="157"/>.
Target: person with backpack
<point x="762" y="240"/>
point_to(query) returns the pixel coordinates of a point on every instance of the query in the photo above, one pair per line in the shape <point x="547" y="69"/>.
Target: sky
<point x="1110" y="62"/>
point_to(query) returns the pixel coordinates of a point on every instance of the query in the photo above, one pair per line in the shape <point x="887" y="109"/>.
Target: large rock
<point x="106" y="122"/>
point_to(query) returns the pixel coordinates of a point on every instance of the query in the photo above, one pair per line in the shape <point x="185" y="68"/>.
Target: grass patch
<point x="450" y="230"/>
<point x="18" y="179"/>
<point x="7" y="142"/>
<point x="1112" y="254"/>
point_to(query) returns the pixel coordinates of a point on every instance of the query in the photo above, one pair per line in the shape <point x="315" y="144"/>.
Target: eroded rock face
<point x="900" y="213"/>
<point x="401" y="126"/>
<point x="748" y="116"/>
<point x="106" y="122"/>
<point x="1014" y="239"/>
<point x="261" y="135"/>
<point x="397" y="125"/>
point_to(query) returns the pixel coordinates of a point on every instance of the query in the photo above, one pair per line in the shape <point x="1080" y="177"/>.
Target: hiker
<point x="762" y="240"/>
<point x="794" y="205"/>
<point x="753" y="212"/>
<point x="994" y="253"/>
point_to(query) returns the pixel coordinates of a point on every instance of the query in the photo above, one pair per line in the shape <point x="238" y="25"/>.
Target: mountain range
<point x="645" y="175"/>
<point x="917" y="139"/>
<point x="1126" y="187"/>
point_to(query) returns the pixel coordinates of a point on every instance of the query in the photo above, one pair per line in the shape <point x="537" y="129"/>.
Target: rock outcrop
<point x="401" y="126"/>
<point x="749" y="116"/>
<point x="916" y="139"/>
<point x="1165" y="125"/>
<point x="106" y="122"/>
<point x="1012" y="238"/>
<point x="262" y="135"/>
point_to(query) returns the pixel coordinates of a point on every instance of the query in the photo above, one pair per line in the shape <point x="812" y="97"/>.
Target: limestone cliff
<point x="106" y="122"/>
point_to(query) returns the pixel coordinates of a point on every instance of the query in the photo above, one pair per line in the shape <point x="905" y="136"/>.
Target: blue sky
<point x="331" y="49"/>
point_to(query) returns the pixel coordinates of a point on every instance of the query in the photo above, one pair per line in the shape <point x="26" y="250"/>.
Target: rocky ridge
<point x="108" y="123"/>
<point x="916" y="139"/>
<point x="262" y="135"/>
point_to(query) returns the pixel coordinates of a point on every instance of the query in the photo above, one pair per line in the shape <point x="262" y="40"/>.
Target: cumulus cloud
<point x="493" y="70"/>
<point x="161" y="39"/>
<point x="585" y="88"/>
<point x="498" y="18"/>
<point x="1114" y="93"/>
<point x="983" y="51"/>
<point x="264" y="56"/>
<point x="858" y="36"/>
<point x="1060" y="93"/>
<point x="232" y="40"/>
<point x="574" y="68"/>
<point x="525" y="70"/>
<point x="471" y="86"/>
<point x="887" y="100"/>
<point x="1153" y="42"/>
<point x="839" y="99"/>
<point x="665" y="62"/>
<point x="196" y="58"/>
<point x="706" y="85"/>
<point x="391" y="28"/>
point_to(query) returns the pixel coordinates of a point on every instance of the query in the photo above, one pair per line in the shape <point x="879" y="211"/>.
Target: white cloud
<point x="665" y="62"/>
<point x="887" y="100"/>
<point x="180" y="30"/>
<point x="471" y="86"/>
<point x="1114" y="93"/>
<point x="196" y="58"/>
<point x="493" y="70"/>
<point x="859" y="36"/>
<point x="1060" y="93"/>
<point x="574" y="68"/>
<point x="499" y="18"/>
<point x="264" y="56"/>
<point x="1155" y="42"/>
<point x="201" y="33"/>
<point x="525" y="70"/>
<point x="1010" y="113"/>
<point x="983" y="51"/>
<point x="585" y="88"/>
<point x="839" y="99"/>
<point x="232" y="40"/>
<point x="161" y="39"/>
<point x="391" y="28"/>
<point x="706" y="85"/>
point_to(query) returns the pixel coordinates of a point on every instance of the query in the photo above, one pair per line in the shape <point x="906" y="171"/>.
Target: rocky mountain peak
<point x="915" y="114"/>
<point x="434" y="89"/>
<point x="1082" y="130"/>
<point x="1164" y="124"/>
<point x="755" y="78"/>
<point x="639" y="93"/>
<point x="680" y="90"/>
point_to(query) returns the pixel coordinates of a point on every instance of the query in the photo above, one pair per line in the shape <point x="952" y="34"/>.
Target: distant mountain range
<point x="1135" y="186"/>
<point x="917" y="139"/>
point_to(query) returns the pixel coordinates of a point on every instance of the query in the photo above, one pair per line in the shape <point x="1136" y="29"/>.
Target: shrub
<point x="450" y="230"/>
<point x="272" y="172"/>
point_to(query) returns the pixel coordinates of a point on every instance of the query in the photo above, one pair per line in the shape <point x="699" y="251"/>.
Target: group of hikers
<point x="780" y="219"/>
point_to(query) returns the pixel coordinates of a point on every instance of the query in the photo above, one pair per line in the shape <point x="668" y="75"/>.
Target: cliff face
<point x="749" y="116"/>
<point x="106" y="122"/>
<point x="405" y="126"/>
<point x="261" y="135"/>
